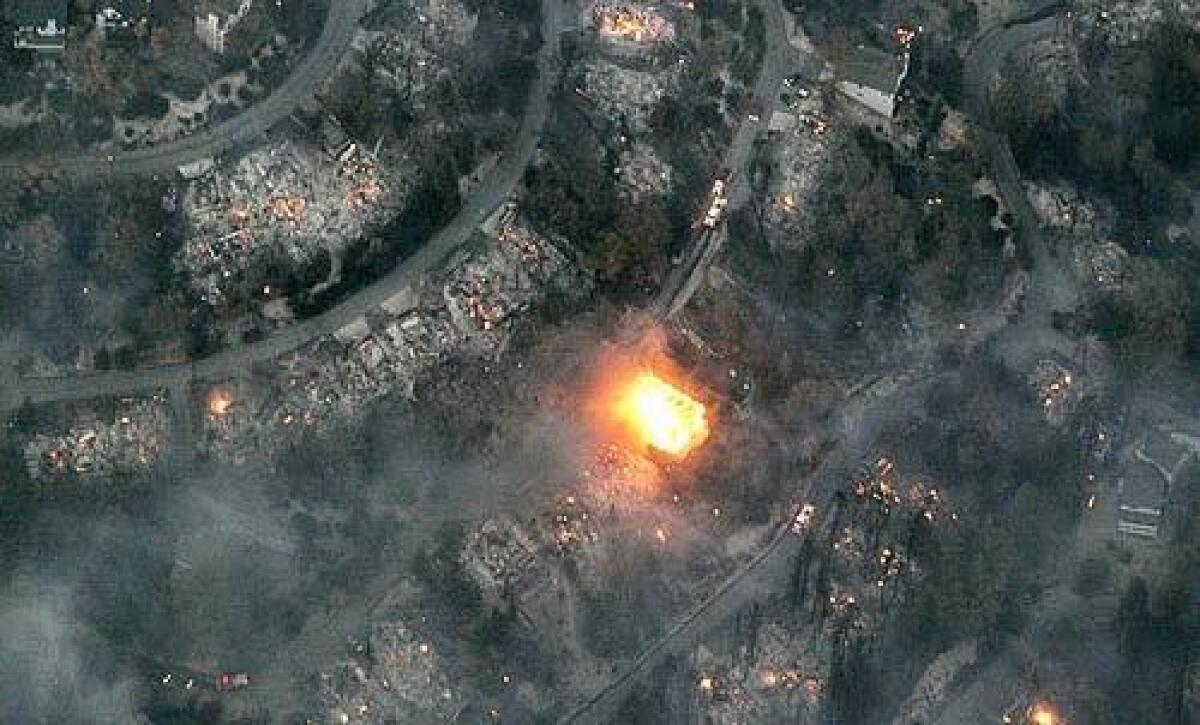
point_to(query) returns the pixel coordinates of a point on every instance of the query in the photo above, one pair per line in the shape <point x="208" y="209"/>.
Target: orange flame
<point x="1043" y="715"/>
<point x="661" y="415"/>
<point x="219" y="402"/>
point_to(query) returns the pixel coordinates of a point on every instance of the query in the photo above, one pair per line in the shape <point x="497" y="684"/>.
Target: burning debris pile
<point x="780" y="678"/>
<point x="469" y="309"/>
<point x="621" y="496"/>
<point x="880" y="484"/>
<point x="645" y="407"/>
<point x="488" y="289"/>
<point x="616" y="475"/>
<point x="129" y="444"/>
<point x="1056" y="390"/>
<point x="631" y="22"/>
<point x="233" y="413"/>
<point x="614" y="483"/>
<point x="498" y="556"/>
<point x="661" y="415"/>
<point x="331" y="380"/>
<point x="395" y="677"/>
<point x="284" y="201"/>
<point x="868" y="567"/>
<point x="572" y="525"/>
<point x="852" y="569"/>
<point x="802" y="146"/>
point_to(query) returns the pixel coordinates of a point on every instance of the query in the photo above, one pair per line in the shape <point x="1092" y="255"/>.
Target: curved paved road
<point x="984" y="62"/>
<point x="1050" y="289"/>
<point x="482" y="202"/>
<point x="341" y="25"/>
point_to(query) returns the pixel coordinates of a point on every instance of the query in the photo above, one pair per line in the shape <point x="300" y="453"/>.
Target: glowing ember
<point x="640" y="25"/>
<point x="1042" y="715"/>
<point x="663" y="416"/>
<point x="239" y="213"/>
<point x="288" y="207"/>
<point x="618" y="476"/>
<point x="219" y="402"/>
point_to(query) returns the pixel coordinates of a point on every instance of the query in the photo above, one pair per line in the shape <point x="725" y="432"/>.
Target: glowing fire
<point x="1043" y="715"/>
<point x="219" y="402"/>
<point x="631" y="23"/>
<point x="663" y="416"/>
<point x="288" y="207"/>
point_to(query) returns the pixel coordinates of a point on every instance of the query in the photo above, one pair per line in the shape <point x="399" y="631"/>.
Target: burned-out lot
<point x="630" y="361"/>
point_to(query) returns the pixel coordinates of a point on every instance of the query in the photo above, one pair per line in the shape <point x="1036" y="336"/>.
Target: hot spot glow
<point x="1043" y="715"/>
<point x="219" y="402"/>
<point x="662" y="416"/>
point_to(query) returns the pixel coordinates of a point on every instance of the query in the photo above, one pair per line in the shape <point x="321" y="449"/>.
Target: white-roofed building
<point x="40" y="24"/>
<point x="873" y="78"/>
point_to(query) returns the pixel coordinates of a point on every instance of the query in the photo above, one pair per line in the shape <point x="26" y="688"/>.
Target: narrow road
<point x="1050" y="289"/>
<point x="482" y="202"/>
<point x="776" y="64"/>
<point x="769" y="570"/>
<point x="341" y="25"/>
<point x="771" y="564"/>
<point x="287" y="686"/>
<point x="779" y="59"/>
<point x="995" y="687"/>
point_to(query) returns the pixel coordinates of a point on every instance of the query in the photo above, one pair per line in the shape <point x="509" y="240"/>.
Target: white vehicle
<point x="803" y="519"/>
<point x="720" y="201"/>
